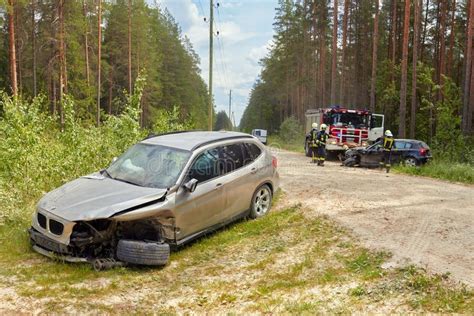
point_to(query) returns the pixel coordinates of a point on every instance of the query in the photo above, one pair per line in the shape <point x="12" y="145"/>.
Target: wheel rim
<point x="262" y="201"/>
<point x="410" y="162"/>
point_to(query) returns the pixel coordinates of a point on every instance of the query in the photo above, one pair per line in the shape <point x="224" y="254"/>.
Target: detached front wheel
<point x="261" y="202"/>
<point x="143" y="252"/>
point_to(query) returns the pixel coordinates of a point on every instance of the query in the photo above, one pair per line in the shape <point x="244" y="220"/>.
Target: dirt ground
<point x="423" y="221"/>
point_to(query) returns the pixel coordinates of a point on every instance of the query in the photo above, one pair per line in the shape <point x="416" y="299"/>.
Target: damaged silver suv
<point x="161" y="193"/>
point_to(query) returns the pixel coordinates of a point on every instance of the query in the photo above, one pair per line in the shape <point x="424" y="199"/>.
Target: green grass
<point x="277" y="142"/>
<point x="445" y="170"/>
<point x="285" y="262"/>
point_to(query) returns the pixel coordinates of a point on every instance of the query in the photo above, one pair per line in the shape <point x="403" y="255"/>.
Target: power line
<point x="220" y="44"/>
<point x="201" y="7"/>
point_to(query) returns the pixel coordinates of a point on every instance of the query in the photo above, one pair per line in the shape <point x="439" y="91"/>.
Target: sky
<point x="245" y="35"/>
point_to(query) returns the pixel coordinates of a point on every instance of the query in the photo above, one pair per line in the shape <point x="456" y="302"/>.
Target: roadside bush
<point x="291" y="130"/>
<point x="35" y="156"/>
<point x="443" y="169"/>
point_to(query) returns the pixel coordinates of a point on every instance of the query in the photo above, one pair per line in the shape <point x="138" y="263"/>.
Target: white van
<point x="261" y="134"/>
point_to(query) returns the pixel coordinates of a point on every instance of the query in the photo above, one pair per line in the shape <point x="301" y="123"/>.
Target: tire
<point x="350" y="162"/>
<point x="143" y="253"/>
<point x="261" y="202"/>
<point x="411" y="162"/>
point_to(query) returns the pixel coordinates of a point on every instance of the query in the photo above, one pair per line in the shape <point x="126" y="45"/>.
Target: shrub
<point x="35" y="156"/>
<point x="291" y="130"/>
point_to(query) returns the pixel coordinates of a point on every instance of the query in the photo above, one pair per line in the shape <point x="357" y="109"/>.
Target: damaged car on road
<point x="409" y="152"/>
<point x="163" y="192"/>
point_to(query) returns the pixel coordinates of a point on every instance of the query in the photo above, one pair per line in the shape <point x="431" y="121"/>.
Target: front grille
<point x="42" y="220"/>
<point x="56" y="227"/>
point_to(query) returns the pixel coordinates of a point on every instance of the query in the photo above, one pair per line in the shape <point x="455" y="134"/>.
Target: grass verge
<point x="277" y="142"/>
<point x="285" y="262"/>
<point x="451" y="171"/>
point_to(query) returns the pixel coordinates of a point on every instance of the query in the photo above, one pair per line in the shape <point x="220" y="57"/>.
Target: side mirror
<point x="191" y="185"/>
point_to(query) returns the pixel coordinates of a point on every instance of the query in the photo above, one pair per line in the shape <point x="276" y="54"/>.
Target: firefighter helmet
<point x="323" y="127"/>
<point x="388" y="133"/>
<point x="314" y="125"/>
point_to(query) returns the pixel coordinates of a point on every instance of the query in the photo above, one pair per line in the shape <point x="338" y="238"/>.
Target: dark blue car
<point x="407" y="151"/>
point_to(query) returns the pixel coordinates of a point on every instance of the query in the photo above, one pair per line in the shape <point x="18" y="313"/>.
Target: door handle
<point x="218" y="186"/>
<point x="253" y="170"/>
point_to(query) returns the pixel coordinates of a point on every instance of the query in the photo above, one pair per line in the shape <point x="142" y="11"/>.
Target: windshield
<point x="149" y="166"/>
<point x="351" y="120"/>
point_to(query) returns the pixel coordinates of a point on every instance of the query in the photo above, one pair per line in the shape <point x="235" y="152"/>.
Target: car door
<point x="372" y="156"/>
<point x="237" y="179"/>
<point x="398" y="151"/>
<point x="201" y="209"/>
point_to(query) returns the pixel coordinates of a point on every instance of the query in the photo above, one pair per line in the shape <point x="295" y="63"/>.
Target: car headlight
<point x="364" y="144"/>
<point x="333" y="142"/>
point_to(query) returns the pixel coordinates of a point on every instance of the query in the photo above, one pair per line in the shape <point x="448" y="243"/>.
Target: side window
<point x="399" y="145"/>
<point x="206" y="166"/>
<point x="253" y="150"/>
<point x="408" y="145"/>
<point x="232" y="158"/>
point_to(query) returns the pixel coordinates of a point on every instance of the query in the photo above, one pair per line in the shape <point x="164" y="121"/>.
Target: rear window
<point x="253" y="150"/>
<point x="424" y="145"/>
<point x="232" y="157"/>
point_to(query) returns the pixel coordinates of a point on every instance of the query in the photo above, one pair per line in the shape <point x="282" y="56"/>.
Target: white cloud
<point x="257" y="53"/>
<point x="245" y="35"/>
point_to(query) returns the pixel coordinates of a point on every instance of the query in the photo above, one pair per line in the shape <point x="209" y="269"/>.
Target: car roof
<point x="193" y="140"/>
<point x="407" y="140"/>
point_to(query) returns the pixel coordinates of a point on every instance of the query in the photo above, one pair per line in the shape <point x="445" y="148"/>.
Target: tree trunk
<point x="322" y="68"/>
<point x="111" y="81"/>
<point x="468" y="79"/>
<point x="374" y="57"/>
<point x="403" y="87"/>
<point x="394" y="31"/>
<point x="11" y="44"/>
<point x="334" y="54"/>
<point x="19" y="42"/>
<point x="450" y="63"/>
<point x="62" y="62"/>
<point x="130" y="46"/>
<point x="86" y="42"/>
<point x="343" y="58"/>
<point x="33" y="44"/>
<point x="470" y="110"/>
<point x="425" y="28"/>
<point x="416" y="38"/>
<point x="99" y="48"/>
<point x="442" y="45"/>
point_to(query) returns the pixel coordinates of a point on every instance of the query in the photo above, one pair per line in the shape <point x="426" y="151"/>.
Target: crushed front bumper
<point x="51" y="248"/>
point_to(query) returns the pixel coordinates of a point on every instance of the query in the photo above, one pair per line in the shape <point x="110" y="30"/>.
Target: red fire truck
<point x="346" y="128"/>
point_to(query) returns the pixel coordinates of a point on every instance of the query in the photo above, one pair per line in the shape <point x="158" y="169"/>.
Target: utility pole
<point x="230" y="103"/>
<point x="211" y="45"/>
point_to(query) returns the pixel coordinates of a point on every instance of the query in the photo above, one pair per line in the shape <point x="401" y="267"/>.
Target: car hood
<point x="95" y="197"/>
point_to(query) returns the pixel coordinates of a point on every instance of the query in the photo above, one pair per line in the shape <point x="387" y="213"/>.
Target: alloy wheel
<point x="262" y="200"/>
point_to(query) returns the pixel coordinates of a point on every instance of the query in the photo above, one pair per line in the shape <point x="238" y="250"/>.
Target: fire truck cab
<point x="347" y="128"/>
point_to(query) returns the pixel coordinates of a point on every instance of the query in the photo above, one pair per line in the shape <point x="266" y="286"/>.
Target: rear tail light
<point x="274" y="162"/>
<point x="422" y="152"/>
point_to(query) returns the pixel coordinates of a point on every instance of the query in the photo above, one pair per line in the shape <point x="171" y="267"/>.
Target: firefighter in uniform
<point x="321" y="140"/>
<point x="387" y="150"/>
<point x="313" y="147"/>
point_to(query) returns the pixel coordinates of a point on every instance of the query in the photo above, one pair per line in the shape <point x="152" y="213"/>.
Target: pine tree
<point x="12" y="44"/>
<point x="404" y="70"/>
